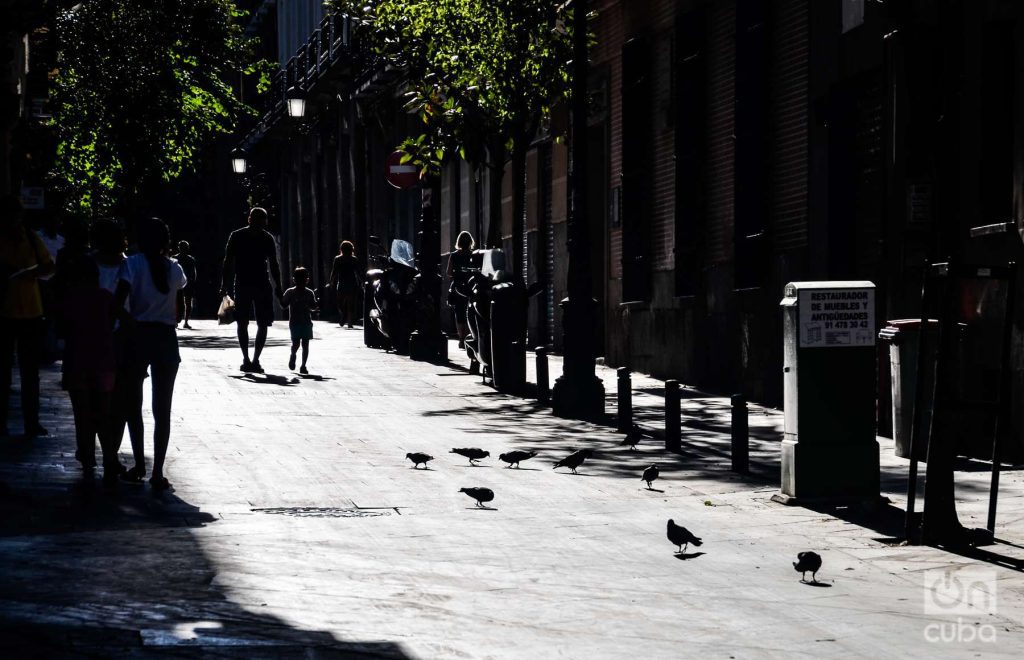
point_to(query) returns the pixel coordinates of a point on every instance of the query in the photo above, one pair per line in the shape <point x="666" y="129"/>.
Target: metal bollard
<point x="673" y="432"/>
<point x="740" y="435"/>
<point x="625" y="400"/>
<point x="543" y="391"/>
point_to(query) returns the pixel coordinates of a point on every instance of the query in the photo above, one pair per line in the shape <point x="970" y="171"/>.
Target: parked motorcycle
<point x="389" y="300"/>
<point x="496" y="317"/>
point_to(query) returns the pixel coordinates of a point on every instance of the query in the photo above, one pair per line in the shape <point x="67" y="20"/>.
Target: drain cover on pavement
<point x="326" y="512"/>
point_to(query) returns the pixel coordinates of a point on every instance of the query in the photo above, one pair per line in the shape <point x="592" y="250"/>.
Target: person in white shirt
<point x="150" y="281"/>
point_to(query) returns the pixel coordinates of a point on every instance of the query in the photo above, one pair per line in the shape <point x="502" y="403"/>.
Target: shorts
<point x="259" y="298"/>
<point x="147" y="344"/>
<point x="301" y="331"/>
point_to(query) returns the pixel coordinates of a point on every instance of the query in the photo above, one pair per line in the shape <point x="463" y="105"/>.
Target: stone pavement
<point x="298" y="529"/>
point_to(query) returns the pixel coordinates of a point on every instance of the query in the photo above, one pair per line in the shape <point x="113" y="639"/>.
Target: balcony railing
<point x="328" y="49"/>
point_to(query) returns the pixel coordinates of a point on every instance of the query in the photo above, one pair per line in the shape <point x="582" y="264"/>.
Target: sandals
<point x="135" y="475"/>
<point x="159" y="483"/>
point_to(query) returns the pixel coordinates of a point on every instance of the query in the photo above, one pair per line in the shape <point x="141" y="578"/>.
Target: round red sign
<point x="401" y="175"/>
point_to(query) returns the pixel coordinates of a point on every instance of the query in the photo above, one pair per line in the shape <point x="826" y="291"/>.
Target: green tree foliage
<point x="142" y="87"/>
<point x="483" y="75"/>
<point x="480" y="73"/>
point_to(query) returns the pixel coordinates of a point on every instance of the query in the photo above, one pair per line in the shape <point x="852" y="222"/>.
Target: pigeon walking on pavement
<point x="479" y="494"/>
<point x="650" y="474"/>
<point x="632" y="438"/>
<point x="574" y="460"/>
<point x="808" y="561"/>
<point x="417" y="458"/>
<point x="681" y="537"/>
<point x="474" y="454"/>
<point x="513" y="457"/>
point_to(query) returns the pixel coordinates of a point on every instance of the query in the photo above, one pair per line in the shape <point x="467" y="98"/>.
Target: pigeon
<point x="808" y="561"/>
<point x="472" y="453"/>
<point x="513" y="457"/>
<point x="479" y="494"/>
<point x="650" y="474"/>
<point x="417" y="458"/>
<point x="574" y="460"/>
<point x="681" y="537"/>
<point x="632" y="438"/>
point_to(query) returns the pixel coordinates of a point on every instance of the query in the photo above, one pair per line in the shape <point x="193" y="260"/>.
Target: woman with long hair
<point x="150" y="281"/>
<point x="460" y="267"/>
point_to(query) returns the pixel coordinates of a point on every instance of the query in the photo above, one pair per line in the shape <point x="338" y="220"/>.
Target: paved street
<point x="296" y="523"/>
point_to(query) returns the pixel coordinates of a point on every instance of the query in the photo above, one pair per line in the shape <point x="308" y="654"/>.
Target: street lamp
<point x="239" y="164"/>
<point x="296" y="103"/>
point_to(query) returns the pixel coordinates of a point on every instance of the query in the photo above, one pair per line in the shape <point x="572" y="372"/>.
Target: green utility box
<point x="829" y="450"/>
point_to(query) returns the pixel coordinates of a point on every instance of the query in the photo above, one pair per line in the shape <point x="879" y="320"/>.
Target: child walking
<point x="301" y="303"/>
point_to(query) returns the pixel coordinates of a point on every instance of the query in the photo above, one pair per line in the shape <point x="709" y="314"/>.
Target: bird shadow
<point x="815" y="583"/>
<point x="480" y="508"/>
<point x="475" y="465"/>
<point x="576" y="474"/>
<point x="654" y="490"/>
<point x="422" y="469"/>
<point x="525" y="469"/>
<point x="688" y="555"/>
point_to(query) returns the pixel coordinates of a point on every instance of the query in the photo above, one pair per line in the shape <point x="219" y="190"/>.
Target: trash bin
<point x="508" y="336"/>
<point x="904" y="339"/>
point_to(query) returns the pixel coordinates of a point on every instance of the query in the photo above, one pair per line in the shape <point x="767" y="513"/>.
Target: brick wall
<point x="788" y="89"/>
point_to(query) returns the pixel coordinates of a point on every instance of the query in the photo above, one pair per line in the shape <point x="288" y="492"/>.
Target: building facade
<point x="736" y="145"/>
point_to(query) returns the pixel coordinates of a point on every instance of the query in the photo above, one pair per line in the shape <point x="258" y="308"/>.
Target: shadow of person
<point x="317" y="377"/>
<point x="688" y="555"/>
<point x="267" y="379"/>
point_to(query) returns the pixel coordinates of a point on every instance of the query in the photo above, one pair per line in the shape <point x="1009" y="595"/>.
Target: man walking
<point x="249" y="252"/>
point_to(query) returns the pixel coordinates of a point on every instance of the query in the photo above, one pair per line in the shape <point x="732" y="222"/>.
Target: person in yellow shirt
<point x="23" y="260"/>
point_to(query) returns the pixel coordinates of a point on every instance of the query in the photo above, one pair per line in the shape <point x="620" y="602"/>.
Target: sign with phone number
<point x="836" y="318"/>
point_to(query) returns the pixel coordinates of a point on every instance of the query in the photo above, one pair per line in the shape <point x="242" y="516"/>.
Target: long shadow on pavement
<point x="96" y="573"/>
<point x="220" y="342"/>
<point x="705" y="452"/>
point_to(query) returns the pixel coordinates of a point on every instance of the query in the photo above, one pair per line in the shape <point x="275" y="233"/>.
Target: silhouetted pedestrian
<point x="249" y="253"/>
<point x="108" y="242"/>
<point x="186" y="297"/>
<point x="23" y="260"/>
<point x="301" y="303"/>
<point x="460" y="267"/>
<point x="346" y="280"/>
<point x="150" y="281"/>
<point x="86" y="323"/>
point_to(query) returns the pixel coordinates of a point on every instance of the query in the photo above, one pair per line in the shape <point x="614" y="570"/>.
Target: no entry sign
<point x="401" y="175"/>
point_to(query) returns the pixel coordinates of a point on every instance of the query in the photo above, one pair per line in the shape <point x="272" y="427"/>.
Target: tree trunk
<point x="497" y="154"/>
